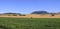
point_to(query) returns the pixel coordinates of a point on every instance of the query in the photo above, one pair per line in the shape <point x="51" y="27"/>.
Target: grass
<point x="29" y="23"/>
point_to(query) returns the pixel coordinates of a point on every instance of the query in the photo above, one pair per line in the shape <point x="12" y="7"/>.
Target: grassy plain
<point x="29" y="23"/>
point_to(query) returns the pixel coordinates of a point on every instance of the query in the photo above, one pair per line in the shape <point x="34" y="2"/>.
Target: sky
<point x="28" y="6"/>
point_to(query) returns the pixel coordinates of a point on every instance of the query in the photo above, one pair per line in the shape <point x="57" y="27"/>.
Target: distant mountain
<point x="40" y="12"/>
<point x="11" y="13"/>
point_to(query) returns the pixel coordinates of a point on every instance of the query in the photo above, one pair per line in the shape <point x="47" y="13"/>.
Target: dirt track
<point x="34" y="16"/>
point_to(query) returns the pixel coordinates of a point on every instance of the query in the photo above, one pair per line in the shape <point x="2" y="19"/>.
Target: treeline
<point x="35" y="12"/>
<point x="14" y="14"/>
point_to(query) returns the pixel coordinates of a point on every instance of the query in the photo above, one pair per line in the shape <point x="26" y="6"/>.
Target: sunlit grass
<point x="30" y="23"/>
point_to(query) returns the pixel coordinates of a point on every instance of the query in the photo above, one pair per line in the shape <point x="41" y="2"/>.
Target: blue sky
<point x="28" y="6"/>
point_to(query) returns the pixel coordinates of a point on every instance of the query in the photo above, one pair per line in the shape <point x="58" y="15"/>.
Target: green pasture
<point x="29" y="23"/>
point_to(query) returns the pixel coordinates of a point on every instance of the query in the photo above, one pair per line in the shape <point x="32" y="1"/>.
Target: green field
<point x="29" y="23"/>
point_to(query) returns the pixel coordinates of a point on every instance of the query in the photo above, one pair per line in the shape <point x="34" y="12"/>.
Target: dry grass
<point x="34" y="16"/>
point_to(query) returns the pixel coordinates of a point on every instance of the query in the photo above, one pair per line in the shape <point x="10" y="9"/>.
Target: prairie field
<point x="29" y="23"/>
<point x="33" y="16"/>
